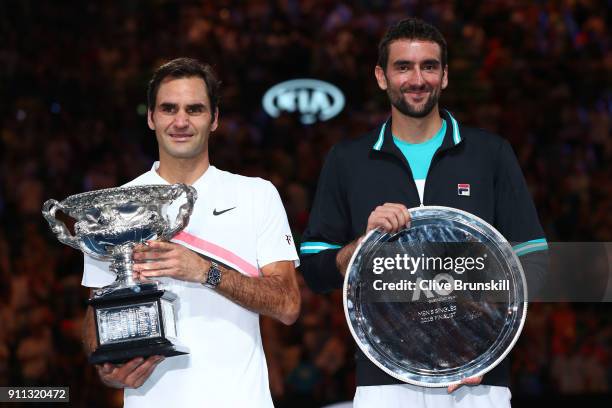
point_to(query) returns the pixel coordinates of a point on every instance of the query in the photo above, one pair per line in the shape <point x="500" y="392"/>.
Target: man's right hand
<point x="390" y="217"/>
<point x="129" y="375"/>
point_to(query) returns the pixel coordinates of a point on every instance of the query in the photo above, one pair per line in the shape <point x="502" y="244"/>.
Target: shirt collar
<point x="204" y="179"/>
<point x="452" y="138"/>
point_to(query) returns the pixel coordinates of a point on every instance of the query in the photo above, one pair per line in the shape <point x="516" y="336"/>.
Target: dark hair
<point x="411" y="29"/>
<point x="184" y="68"/>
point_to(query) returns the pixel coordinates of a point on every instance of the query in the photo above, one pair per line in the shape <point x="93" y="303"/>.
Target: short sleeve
<point x="274" y="239"/>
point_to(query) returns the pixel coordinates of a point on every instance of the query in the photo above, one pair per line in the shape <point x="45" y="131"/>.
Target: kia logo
<point x="313" y="99"/>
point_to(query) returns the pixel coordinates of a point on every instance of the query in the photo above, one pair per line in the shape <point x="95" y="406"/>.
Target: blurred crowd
<point x="73" y="78"/>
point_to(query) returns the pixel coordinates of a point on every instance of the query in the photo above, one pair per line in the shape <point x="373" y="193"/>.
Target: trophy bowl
<point x="133" y="319"/>
<point x="438" y="302"/>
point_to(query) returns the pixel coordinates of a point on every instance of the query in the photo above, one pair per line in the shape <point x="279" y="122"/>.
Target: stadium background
<point x="72" y="118"/>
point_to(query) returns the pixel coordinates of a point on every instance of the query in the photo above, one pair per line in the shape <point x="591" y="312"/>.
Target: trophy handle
<point x="185" y="210"/>
<point x="57" y="226"/>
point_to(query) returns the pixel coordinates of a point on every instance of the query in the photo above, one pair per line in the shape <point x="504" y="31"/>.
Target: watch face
<point x="214" y="276"/>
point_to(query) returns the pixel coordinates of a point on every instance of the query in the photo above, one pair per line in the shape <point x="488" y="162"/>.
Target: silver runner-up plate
<point x="438" y="302"/>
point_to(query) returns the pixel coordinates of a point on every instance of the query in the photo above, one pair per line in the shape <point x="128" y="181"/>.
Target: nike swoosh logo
<point x="215" y="212"/>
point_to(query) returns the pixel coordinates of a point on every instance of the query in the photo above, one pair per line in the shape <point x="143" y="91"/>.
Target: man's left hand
<point x="466" y="381"/>
<point x="157" y="259"/>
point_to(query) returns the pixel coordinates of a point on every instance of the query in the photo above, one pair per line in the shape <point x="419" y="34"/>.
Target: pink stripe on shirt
<point x="218" y="252"/>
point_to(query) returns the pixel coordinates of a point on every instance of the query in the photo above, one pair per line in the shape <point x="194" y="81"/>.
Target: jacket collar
<point x="384" y="141"/>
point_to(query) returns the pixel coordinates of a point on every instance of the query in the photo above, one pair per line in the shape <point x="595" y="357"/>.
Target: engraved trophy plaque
<point x="132" y="319"/>
<point x="438" y="302"/>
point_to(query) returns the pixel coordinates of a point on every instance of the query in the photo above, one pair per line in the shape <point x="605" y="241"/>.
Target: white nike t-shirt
<point x="241" y="222"/>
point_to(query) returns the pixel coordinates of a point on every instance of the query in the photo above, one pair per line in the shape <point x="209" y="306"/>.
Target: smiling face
<point x="182" y="118"/>
<point x="414" y="77"/>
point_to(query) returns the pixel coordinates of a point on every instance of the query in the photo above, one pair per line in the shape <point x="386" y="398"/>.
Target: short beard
<point x="401" y="105"/>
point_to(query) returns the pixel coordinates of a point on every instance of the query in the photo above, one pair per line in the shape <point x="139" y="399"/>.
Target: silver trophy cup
<point x="438" y="302"/>
<point x="133" y="319"/>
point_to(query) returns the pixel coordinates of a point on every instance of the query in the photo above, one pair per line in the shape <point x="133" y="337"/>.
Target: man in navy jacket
<point x="420" y="156"/>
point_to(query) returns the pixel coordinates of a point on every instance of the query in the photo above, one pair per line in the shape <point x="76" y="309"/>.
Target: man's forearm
<point x="320" y="271"/>
<point x="324" y="271"/>
<point x="343" y="257"/>
<point x="272" y="295"/>
<point x="275" y="293"/>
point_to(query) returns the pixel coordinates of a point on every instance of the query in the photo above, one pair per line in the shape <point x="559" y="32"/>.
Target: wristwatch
<point x="213" y="278"/>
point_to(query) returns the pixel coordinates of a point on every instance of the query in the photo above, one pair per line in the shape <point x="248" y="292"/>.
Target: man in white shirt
<point x="235" y="260"/>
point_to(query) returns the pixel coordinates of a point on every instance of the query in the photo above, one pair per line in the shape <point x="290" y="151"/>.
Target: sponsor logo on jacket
<point x="463" y="190"/>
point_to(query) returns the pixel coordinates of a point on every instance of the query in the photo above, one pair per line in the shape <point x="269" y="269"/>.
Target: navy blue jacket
<point x="362" y="174"/>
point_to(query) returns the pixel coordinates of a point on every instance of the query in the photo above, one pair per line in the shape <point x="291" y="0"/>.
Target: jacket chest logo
<point x="463" y="190"/>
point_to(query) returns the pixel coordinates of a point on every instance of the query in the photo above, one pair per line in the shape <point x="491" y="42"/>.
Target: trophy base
<point x="136" y="321"/>
<point x="122" y="353"/>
